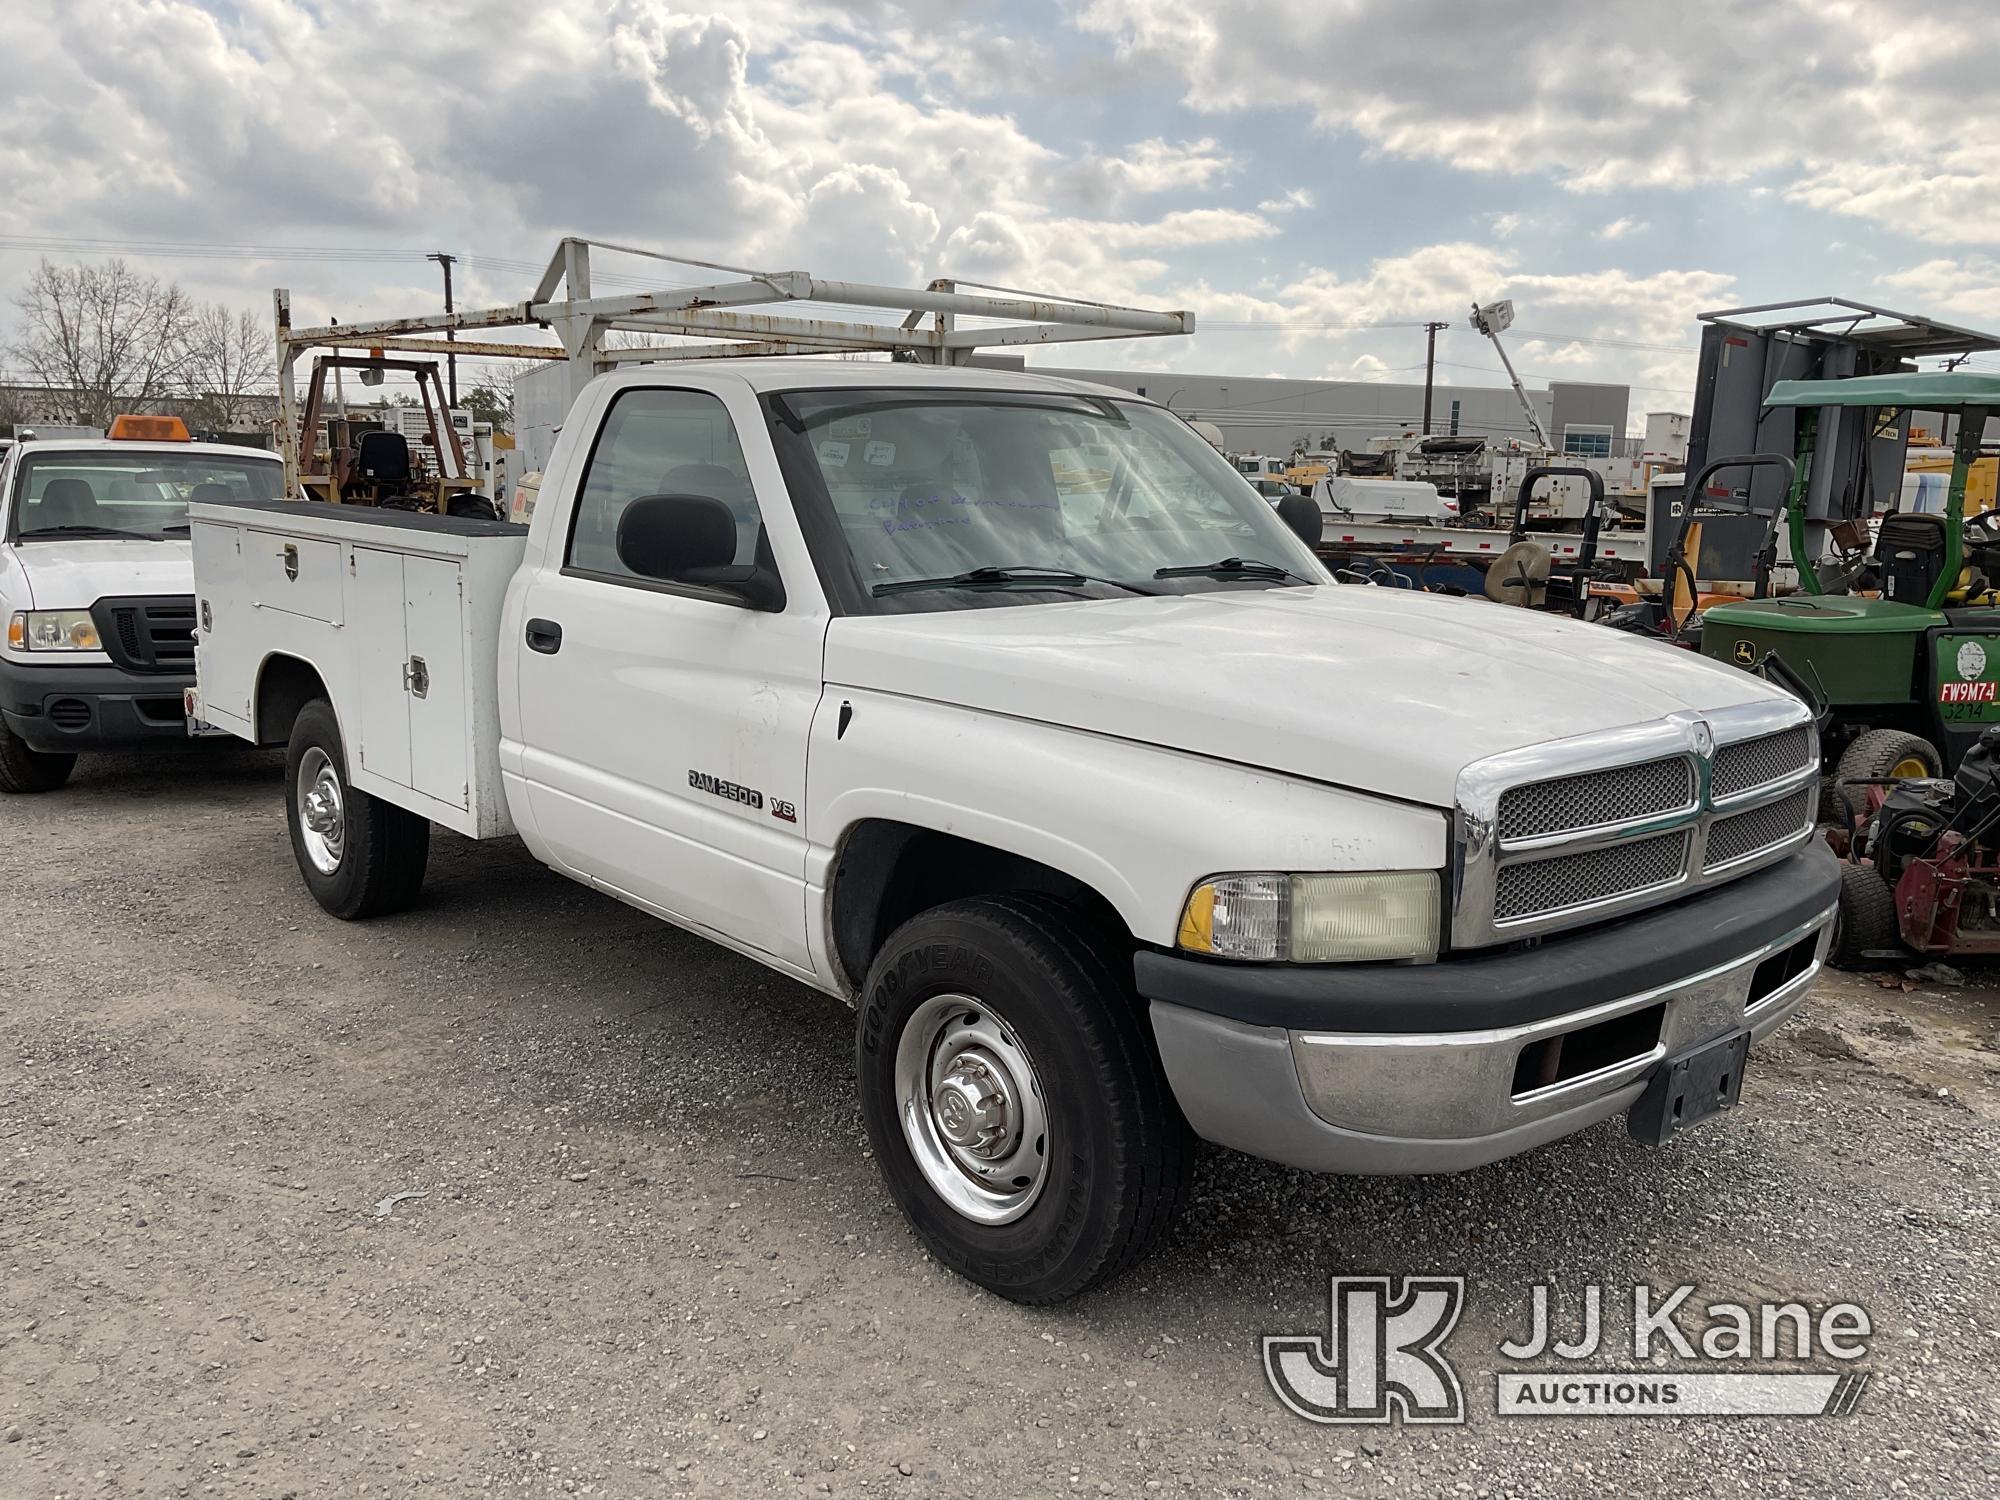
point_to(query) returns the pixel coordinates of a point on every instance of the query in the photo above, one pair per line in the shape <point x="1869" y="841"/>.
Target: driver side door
<point x="664" y="728"/>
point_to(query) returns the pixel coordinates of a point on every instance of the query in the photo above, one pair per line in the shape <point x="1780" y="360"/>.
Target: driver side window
<point x="657" y="442"/>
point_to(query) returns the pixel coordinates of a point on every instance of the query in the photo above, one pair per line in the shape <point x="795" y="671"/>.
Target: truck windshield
<point x="999" y="496"/>
<point x="143" y="493"/>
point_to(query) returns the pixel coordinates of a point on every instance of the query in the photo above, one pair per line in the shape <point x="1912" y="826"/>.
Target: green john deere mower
<point x="1901" y="639"/>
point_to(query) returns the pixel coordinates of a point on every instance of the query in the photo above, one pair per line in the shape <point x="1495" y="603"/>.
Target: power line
<point x="191" y="250"/>
<point x="1268" y="326"/>
<point x="1683" y="390"/>
<point x="1585" y="338"/>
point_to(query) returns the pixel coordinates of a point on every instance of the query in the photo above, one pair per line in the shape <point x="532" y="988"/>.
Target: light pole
<point x="450" y="335"/>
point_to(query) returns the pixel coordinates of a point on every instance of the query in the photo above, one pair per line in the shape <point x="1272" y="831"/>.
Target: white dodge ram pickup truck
<point x="1002" y="707"/>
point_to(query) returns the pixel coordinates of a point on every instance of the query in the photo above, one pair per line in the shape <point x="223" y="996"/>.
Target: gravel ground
<point x="645" y="1254"/>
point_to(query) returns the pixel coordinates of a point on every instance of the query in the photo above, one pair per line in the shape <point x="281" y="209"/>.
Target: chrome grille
<point x="1755" y="763"/>
<point x="1732" y="838"/>
<point x="1570" y="880"/>
<point x="1555" y="835"/>
<point x="1595" y="798"/>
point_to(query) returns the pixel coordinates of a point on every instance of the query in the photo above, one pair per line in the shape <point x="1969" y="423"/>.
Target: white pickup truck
<point x="96" y="590"/>
<point x="1003" y="708"/>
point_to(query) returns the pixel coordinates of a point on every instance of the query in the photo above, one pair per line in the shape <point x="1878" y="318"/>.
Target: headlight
<point x="52" y="630"/>
<point x="1314" y="919"/>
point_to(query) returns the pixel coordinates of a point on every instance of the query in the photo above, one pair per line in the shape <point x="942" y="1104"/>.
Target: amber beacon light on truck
<point x="132" y="428"/>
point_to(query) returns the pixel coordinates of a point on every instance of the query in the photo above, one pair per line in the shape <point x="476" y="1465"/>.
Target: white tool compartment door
<point x="381" y="741"/>
<point x="434" y="635"/>
<point x="223" y="661"/>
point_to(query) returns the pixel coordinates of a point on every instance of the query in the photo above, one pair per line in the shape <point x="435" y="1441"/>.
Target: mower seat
<point x="1520" y="576"/>
<point x="383" y="458"/>
<point x="1909" y="553"/>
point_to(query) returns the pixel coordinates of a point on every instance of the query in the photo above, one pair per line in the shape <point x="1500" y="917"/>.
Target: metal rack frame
<point x="720" y="313"/>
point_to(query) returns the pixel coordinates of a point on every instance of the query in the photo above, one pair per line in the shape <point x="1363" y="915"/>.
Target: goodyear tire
<point x="26" y="770"/>
<point x="1866" y="920"/>
<point x="1014" y="1098"/>
<point x="360" y="856"/>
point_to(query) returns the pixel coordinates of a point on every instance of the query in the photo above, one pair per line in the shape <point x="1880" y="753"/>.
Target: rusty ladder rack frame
<point x="929" y="333"/>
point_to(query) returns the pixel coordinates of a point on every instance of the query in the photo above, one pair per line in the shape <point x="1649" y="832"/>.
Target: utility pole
<point x="1431" y="332"/>
<point x="450" y="335"/>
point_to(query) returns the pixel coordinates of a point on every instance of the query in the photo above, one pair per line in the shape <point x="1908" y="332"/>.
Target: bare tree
<point x="102" y="339"/>
<point x="492" y="398"/>
<point x="231" y="359"/>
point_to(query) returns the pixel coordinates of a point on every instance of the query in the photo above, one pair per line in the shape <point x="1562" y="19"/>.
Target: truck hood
<point x="76" y="574"/>
<point x="1380" y="690"/>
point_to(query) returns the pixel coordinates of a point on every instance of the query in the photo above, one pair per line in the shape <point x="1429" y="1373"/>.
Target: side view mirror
<point x="692" y="539"/>
<point x="1301" y="513"/>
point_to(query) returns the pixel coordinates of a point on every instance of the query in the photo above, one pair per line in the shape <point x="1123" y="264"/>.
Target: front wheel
<point x="360" y="856"/>
<point x="1014" y="1098"/>
<point x="26" y="770"/>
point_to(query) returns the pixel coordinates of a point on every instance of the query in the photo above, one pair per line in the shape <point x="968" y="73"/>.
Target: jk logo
<point x="1382" y="1355"/>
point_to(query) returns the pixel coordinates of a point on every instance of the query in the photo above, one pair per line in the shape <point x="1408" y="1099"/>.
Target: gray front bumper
<point x="1415" y="1102"/>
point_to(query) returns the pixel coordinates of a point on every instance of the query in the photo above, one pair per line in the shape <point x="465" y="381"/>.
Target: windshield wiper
<point x="1019" y="576"/>
<point x="111" y="531"/>
<point x="1232" y="567"/>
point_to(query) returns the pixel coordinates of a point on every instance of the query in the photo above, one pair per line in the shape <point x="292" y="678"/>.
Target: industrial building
<point x="1258" y="414"/>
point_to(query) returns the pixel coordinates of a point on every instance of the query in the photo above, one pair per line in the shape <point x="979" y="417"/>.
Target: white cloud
<point x="865" y="143"/>
<point x="1098" y="183"/>
<point x="1967" y="288"/>
<point x="775" y="132"/>
<point x="1615" y="325"/>
<point x="1619" y="228"/>
<point x="1850" y="104"/>
<point x="1185" y="227"/>
<point x="1951" y="197"/>
<point x="1290" y="202"/>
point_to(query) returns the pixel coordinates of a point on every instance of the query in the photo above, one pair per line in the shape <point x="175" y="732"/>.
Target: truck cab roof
<point x="34" y="446"/>
<point x="766" y="374"/>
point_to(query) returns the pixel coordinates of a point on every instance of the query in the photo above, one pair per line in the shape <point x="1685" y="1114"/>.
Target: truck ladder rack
<point x="725" y="318"/>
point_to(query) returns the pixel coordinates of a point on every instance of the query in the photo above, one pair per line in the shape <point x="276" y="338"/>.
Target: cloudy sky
<point x="1312" y="177"/>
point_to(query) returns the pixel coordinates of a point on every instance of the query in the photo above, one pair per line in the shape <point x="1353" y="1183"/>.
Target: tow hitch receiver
<point x="1697" y="1083"/>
